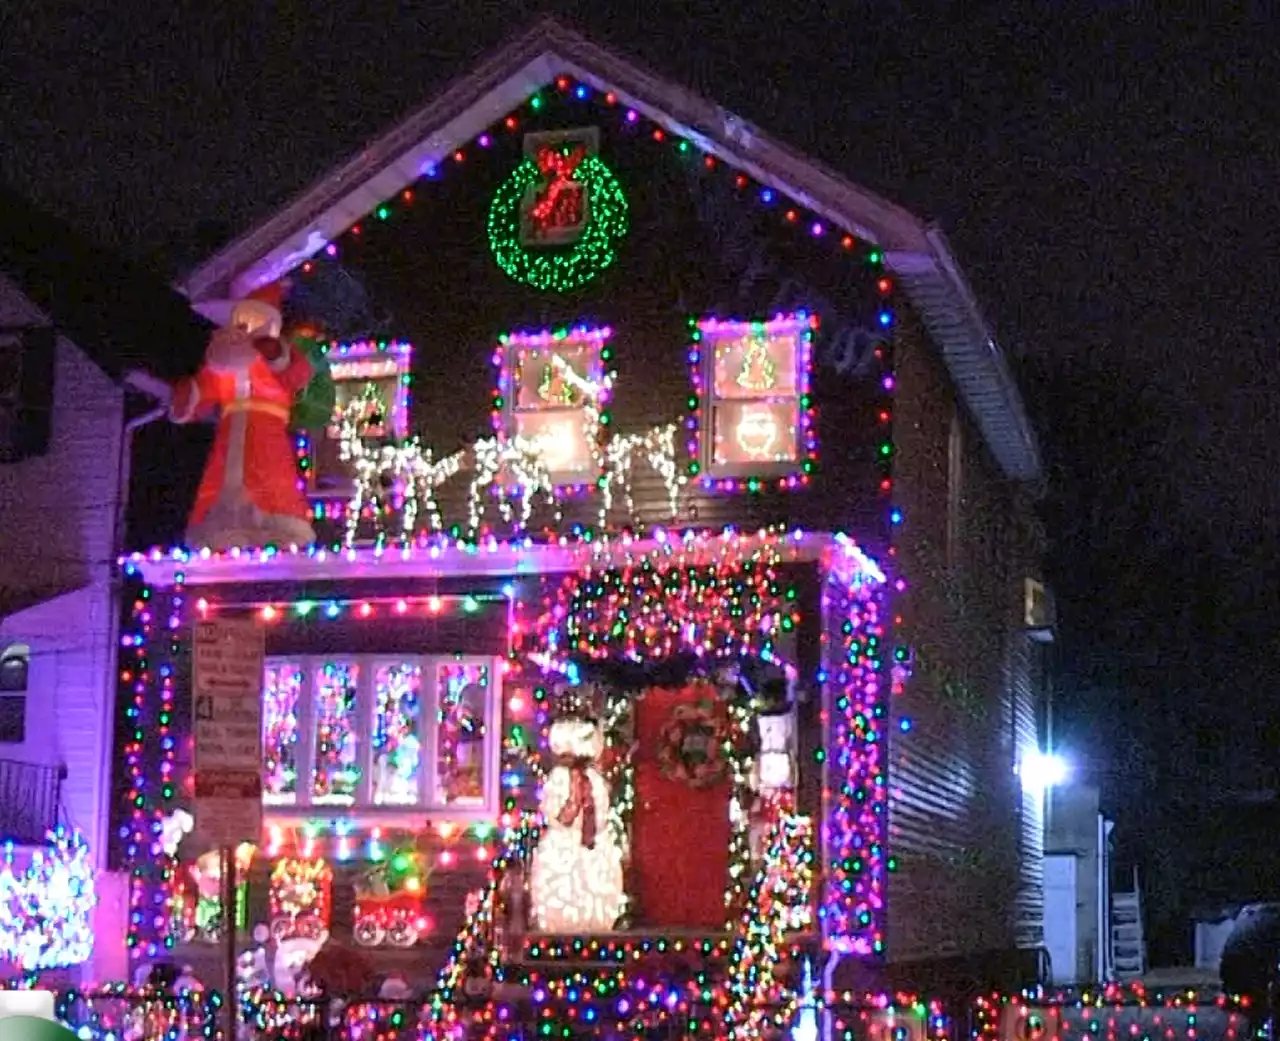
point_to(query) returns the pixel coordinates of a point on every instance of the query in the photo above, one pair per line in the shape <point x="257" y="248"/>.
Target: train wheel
<point x="368" y="932"/>
<point x="401" y="933"/>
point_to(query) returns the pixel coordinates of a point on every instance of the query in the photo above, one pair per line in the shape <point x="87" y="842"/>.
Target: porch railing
<point x="30" y="797"/>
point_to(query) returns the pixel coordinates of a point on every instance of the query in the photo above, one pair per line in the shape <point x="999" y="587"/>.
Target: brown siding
<point x="967" y="849"/>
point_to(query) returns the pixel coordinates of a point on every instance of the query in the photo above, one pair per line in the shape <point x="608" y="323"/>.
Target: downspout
<point x="114" y="607"/>
<point x="828" y="988"/>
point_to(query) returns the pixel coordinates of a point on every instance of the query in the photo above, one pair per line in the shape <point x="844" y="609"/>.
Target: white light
<point x="1041" y="771"/>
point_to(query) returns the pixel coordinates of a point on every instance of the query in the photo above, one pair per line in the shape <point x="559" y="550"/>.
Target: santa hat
<point x="263" y="308"/>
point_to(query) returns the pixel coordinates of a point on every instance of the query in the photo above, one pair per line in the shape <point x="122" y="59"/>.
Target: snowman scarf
<point x="581" y="800"/>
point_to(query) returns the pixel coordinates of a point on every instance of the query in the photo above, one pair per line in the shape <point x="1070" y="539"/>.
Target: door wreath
<point x="691" y="748"/>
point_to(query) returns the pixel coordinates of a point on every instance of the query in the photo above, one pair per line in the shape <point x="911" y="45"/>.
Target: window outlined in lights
<point x="752" y="416"/>
<point x="373" y="734"/>
<point x="541" y="404"/>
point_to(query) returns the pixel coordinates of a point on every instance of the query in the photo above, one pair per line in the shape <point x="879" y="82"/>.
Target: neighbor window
<point x="380" y="731"/>
<point x="15" y="665"/>
<point x="27" y="357"/>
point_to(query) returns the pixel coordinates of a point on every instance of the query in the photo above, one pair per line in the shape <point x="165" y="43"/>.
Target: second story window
<point x="753" y="415"/>
<point x="547" y="384"/>
<point x="377" y="732"/>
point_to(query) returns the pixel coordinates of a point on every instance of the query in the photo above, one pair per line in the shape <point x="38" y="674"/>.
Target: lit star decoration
<point x="570" y="267"/>
<point x="710" y="339"/>
<point x="855" y="712"/>
<point x="46" y="907"/>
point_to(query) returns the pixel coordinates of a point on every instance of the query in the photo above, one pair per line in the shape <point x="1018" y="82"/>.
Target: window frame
<point x="430" y="805"/>
<point x="712" y="333"/>
<point x="593" y="339"/>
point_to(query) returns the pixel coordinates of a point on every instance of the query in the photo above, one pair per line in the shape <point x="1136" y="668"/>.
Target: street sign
<point x="227" y="692"/>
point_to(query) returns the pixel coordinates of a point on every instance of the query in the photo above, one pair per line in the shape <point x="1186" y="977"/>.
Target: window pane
<point x="760" y="364"/>
<point x="337" y="770"/>
<point x="397" y="756"/>
<point x="751" y="432"/>
<point x="281" y="691"/>
<point x="561" y="436"/>
<point x="461" y="735"/>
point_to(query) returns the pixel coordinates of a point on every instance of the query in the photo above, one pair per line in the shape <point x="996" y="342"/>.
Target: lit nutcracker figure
<point x="576" y="879"/>
<point x="250" y="377"/>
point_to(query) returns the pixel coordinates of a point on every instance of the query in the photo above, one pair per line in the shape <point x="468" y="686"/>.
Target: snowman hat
<point x="262" y="309"/>
<point x="582" y="702"/>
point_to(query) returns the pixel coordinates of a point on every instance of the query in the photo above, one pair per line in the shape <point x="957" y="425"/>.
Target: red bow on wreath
<point x="581" y="799"/>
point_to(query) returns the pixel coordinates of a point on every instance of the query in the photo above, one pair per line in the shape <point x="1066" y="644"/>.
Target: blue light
<point x="905" y="725"/>
<point x="766" y="195"/>
<point x="895" y="517"/>
<point x="886" y="318"/>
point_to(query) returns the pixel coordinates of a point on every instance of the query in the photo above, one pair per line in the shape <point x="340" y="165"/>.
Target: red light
<point x="847" y="242"/>
<point x="355" y="229"/>
<point x="458" y="156"/>
<point x="434" y="605"/>
<point x="407" y="195"/>
<point x="884" y="285"/>
<point x="402" y="606"/>
<point x="740" y="180"/>
<point x="562" y="83"/>
<point x="709" y="162"/>
<point x="611" y="98"/>
<point x="366" y="610"/>
<point x="658" y="135"/>
<point x="792" y="215"/>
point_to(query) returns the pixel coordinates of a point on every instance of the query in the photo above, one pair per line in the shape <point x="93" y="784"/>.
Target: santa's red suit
<point x="249" y="494"/>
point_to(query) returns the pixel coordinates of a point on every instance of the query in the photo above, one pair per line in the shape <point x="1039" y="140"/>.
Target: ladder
<point x="1128" y="945"/>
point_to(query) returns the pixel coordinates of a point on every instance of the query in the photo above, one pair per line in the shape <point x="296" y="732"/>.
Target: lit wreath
<point x="559" y="270"/>
<point x="691" y="747"/>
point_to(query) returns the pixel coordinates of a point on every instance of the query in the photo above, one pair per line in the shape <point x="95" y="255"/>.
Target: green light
<point x="559" y="270"/>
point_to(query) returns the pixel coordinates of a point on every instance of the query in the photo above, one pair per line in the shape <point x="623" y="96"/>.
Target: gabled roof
<point x="119" y="314"/>
<point x="916" y="253"/>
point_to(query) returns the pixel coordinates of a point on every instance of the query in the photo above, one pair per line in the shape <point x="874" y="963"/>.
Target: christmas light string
<point x="46" y="906"/>
<point x="586" y="102"/>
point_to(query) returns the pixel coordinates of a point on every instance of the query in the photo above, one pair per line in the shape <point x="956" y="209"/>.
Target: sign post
<point x="227" y="693"/>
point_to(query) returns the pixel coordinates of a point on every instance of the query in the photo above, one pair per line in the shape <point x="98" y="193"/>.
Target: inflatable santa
<point x="249" y="495"/>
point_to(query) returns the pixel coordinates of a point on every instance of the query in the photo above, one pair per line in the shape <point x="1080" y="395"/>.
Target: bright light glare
<point x="1041" y="771"/>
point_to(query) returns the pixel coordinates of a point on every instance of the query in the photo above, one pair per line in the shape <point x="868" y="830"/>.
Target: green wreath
<point x="691" y="747"/>
<point x="565" y="269"/>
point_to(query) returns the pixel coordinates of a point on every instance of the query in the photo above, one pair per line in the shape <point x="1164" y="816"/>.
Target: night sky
<point x="1109" y="184"/>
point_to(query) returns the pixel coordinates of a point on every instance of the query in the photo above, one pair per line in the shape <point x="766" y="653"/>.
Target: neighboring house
<point x="902" y="430"/>
<point x="67" y="312"/>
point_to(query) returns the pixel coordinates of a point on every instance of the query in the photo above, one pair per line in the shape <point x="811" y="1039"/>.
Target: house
<point x="675" y="443"/>
<point x="67" y="316"/>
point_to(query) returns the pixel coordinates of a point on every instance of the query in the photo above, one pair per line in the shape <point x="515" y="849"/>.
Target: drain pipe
<point x="828" y="988"/>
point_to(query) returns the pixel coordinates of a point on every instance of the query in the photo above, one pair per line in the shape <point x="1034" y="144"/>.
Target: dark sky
<point x="1109" y="180"/>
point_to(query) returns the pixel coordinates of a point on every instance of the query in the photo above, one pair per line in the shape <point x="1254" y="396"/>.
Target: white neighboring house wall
<point x="58" y="527"/>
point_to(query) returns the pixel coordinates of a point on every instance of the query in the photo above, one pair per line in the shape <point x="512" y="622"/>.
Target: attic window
<point x="552" y="387"/>
<point x="751" y="381"/>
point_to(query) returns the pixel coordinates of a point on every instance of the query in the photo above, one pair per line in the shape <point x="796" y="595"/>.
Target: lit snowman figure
<point x="575" y="881"/>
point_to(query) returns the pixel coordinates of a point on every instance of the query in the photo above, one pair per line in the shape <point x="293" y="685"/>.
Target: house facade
<point x="673" y="528"/>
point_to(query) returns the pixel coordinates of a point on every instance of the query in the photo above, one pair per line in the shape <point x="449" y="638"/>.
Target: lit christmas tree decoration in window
<point x="46" y="908"/>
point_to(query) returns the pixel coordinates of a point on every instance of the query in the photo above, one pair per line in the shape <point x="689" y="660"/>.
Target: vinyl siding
<point x="966" y="840"/>
<point x="57" y="528"/>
